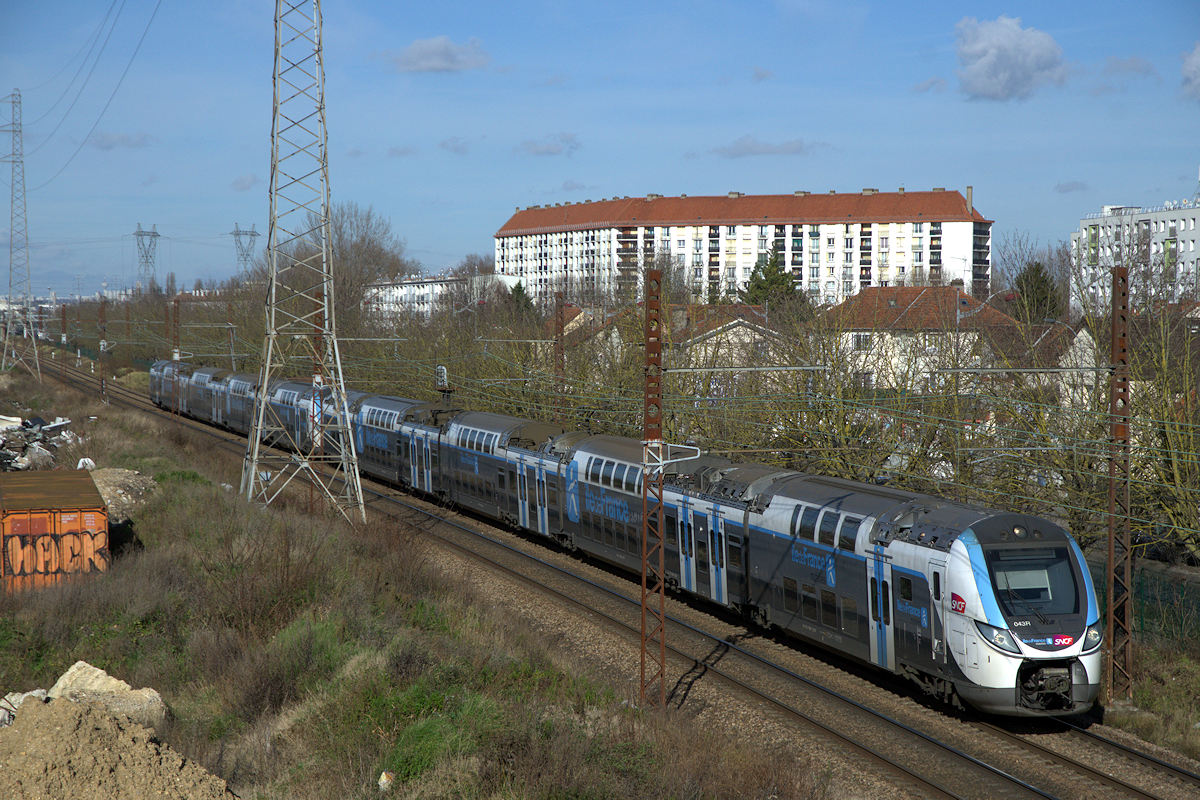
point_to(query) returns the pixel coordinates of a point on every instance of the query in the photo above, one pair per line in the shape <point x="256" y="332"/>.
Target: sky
<point x="444" y="117"/>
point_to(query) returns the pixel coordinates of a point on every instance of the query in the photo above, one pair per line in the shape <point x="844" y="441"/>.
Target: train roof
<point x="209" y="373"/>
<point x="246" y="377"/>
<point x="387" y="402"/>
<point x="513" y="431"/>
<point x="620" y="448"/>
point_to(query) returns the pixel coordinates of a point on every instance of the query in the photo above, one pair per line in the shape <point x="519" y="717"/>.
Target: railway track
<point x="1003" y="763"/>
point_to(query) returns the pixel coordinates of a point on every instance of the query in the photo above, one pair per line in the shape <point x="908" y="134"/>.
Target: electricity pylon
<point x="20" y="338"/>
<point x="243" y="240"/>
<point x="300" y="333"/>
<point x="147" y="243"/>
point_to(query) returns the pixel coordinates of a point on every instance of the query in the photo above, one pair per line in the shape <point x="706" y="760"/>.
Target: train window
<point x="829" y="522"/>
<point x="887" y="605"/>
<point x="735" y="552"/>
<point x="905" y="586"/>
<point x="594" y="470"/>
<point x="849" y="532"/>
<point x="808" y="523"/>
<point x="937" y="586"/>
<point x="874" y="600"/>
<point x="850" y="616"/>
<point x="702" y="551"/>
<point x="553" y="487"/>
<point x="619" y="477"/>
<point x="500" y="480"/>
<point x="606" y="474"/>
<point x="829" y="614"/>
<point x="790" y="600"/>
<point x="632" y="479"/>
<point x="808" y="602"/>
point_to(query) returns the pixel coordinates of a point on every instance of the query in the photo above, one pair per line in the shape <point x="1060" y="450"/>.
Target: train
<point x="982" y="607"/>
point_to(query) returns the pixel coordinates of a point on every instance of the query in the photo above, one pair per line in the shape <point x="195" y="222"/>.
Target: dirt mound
<point x="123" y="490"/>
<point x="76" y="750"/>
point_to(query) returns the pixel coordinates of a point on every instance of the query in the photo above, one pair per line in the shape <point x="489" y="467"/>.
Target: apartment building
<point x="416" y="295"/>
<point x="1158" y="245"/>
<point x="833" y="244"/>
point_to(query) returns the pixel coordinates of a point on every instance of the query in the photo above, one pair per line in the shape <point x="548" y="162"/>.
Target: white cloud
<point x="1002" y="61"/>
<point x="455" y="144"/>
<point x="934" y="84"/>
<point x="749" y="145"/>
<point x="574" y="186"/>
<point x="111" y="141"/>
<point x="559" y="144"/>
<point x="1191" y="73"/>
<point x="759" y="75"/>
<point x="244" y="183"/>
<point x="439" y="54"/>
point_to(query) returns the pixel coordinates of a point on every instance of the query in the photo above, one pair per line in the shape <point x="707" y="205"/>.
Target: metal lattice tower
<point x="243" y="240"/>
<point x="147" y="243"/>
<point x="300" y="328"/>
<point x="654" y="614"/>
<point x="20" y="339"/>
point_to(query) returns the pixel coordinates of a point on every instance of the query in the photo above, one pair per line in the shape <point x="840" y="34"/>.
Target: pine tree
<point x="769" y="283"/>
<point x="1038" y="296"/>
<point x="520" y="301"/>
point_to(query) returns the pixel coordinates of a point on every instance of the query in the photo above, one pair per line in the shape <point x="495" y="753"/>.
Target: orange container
<point x="52" y="525"/>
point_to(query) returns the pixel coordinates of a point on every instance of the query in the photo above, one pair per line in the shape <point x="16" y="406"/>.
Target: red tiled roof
<point x="757" y="209"/>
<point x="915" y="308"/>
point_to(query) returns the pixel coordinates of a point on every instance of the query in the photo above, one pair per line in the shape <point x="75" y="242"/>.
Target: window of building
<point x="862" y="341"/>
<point x="918" y="257"/>
<point x="830" y="242"/>
<point x="848" y="242"/>
<point x="883" y="243"/>
<point x="731" y="230"/>
<point x="848" y="258"/>
<point x="918" y="227"/>
<point x="829" y="257"/>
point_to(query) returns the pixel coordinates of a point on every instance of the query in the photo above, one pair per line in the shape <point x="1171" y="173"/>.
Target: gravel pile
<point x="63" y="749"/>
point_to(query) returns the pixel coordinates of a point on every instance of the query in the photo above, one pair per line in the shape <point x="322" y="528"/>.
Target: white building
<point x="1159" y="243"/>
<point x="834" y="244"/>
<point x="419" y="296"/>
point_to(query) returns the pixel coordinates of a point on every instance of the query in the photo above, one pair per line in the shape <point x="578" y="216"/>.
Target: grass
<point x="301" y="657"/>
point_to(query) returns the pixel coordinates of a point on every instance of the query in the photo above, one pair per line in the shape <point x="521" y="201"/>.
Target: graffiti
<point x="56" y="553"/>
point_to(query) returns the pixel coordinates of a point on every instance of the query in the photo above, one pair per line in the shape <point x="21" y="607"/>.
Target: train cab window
<point x="808" y="602"/>
<point x="849" y="532"/>
<point x="791" y="601"/>
<point x="829" y="523"/>
<point x="829" y="613"/>
<point x="619" y="477"/>
<point x="937" y="586"/>
<point x="606" y="474"/>
<point x="808" y="523"/>
<point x="905" y="587"/>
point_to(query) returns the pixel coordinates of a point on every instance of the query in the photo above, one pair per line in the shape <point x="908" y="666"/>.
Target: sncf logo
<point x="957" y="604"/>
<point x="1063" y="641"/>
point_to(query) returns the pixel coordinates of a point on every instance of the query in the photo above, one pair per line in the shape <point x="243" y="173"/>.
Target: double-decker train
<point x="992" y="608"/>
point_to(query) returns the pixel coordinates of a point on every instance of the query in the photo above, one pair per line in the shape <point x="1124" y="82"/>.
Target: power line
<point x="94" y="38"/>
<point x="100" y="116"/>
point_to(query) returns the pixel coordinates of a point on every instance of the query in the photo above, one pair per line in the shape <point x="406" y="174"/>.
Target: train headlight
<point x="998" y="637"/>
<point x="1093" y="636"/>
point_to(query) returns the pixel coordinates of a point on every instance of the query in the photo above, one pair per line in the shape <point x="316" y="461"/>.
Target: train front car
<point x="1022" y="619"/>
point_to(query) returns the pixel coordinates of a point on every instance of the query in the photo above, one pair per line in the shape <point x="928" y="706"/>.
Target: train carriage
<point x="203" y="390"/>
<point x="377" y="435"/>
<point x="240" y="390"/>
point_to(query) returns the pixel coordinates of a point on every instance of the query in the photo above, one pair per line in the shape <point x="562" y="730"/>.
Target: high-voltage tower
<point x="300" y="334"/>
<point x="147" y="243"/>
<point x="20" y="338"/>
<point x="243" y="240"/>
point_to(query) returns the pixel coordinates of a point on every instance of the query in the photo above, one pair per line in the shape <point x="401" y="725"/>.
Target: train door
<point x="426" y="463"/>
<point x="879" y="581"/>
<point x="687" y="548"/>
<point x="543" y="521"/>
<point x="937" y="610"/>
<point x="522" y="495"/>
<point x="413" y="467"/>
<point x="699" y="534"/>
<point x="717" y="557"/>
